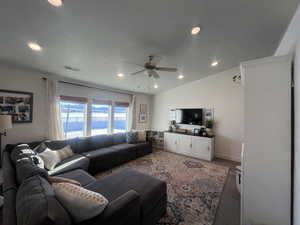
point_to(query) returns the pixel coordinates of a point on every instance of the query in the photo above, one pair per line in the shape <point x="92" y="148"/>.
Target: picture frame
<point x="18" y="104"/>
<point x="143" y="113"/>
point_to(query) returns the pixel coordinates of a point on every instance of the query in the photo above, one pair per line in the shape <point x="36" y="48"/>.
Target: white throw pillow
<point x="52" y="157"/>
<point x="81" y="203"/>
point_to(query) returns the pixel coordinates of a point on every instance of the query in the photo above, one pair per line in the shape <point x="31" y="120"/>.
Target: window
<point x="120" y="123"/>
<point x="100" y="119"/>
<point x="73" y="117"/>
<point x="81" y="117"/>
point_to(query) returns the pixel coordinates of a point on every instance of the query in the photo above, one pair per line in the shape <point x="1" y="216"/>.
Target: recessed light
<point x="35" y="46"/>
<point x="120" y="75"/>
<point x="56" y="3"/>
<point x="214" y="63"/>
<point x="195" y="30"/>
<point x="180" y="77"/>
<point x="155" y="86"/>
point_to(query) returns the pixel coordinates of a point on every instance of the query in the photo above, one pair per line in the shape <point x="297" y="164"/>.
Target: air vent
<point x="72" y="68"/>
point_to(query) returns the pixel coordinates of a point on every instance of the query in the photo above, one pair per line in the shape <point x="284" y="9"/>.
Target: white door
<point x="201" y="148"/>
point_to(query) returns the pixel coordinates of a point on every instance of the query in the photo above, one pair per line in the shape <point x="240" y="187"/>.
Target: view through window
<point x="73" y="116"/>
<point x="120" y="119"/>
<point x="102" y="119"/>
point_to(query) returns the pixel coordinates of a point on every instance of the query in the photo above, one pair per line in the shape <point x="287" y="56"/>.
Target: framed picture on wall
<point x="17" y="104"/>
<point x="143" y="113"/>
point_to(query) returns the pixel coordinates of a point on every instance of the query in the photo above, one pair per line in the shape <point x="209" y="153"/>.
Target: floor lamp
<point x="5" y="124"/>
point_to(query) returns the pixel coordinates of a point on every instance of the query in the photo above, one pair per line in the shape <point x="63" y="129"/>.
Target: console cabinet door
<point x="201" y="148"/>
<point x="171" y="142"/>
<point x="185" y="145"/>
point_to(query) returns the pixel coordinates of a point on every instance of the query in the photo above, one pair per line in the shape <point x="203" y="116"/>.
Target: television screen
<point x="189" y="116"/>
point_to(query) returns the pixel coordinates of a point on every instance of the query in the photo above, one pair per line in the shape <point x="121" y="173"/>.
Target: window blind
<point x="81" y="100"/>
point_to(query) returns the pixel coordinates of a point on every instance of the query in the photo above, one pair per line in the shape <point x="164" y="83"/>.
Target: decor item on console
<point x="17" y="104"/>
<point x="209" y="125"/>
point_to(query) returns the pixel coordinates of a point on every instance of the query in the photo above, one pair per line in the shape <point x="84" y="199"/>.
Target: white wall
<point x="290" y="44"/>
<point x="30" y="81"/>
<point x="217" y="92"/>
<point x="21" y="80"/>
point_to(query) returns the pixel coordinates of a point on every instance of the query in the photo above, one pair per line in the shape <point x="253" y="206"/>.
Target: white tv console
<point x="190" y="145"/>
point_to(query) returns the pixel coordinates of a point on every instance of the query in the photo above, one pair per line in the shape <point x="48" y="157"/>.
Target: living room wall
<point x="24" y="80"/>
<point x="217" y="92"/>
<point x="20" y="79"/>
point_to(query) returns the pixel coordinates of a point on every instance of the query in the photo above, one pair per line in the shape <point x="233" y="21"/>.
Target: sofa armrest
<point x="124" y="210"/>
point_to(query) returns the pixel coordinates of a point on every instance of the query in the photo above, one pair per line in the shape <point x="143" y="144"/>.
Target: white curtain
<point x="132" y="114"/>
<point x="55" y="128"/>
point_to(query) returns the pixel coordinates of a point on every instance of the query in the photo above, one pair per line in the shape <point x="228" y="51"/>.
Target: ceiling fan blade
<point x="141" y="71"/>
<point x="167" y="69"/>
<point x="131" y="63"/>
<point x="154" y="74"/>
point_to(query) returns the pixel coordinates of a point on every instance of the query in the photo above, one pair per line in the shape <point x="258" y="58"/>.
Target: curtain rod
<point x="86" y="86"/>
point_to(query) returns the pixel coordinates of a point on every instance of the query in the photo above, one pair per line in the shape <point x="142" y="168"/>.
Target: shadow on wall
<point x="227" y="147"/>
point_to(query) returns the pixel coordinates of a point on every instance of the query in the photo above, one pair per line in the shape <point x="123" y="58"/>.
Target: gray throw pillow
<point x="81" y="203"/>
<point x="132" y="137"/>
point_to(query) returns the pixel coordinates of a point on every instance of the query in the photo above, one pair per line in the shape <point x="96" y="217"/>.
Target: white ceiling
<point x="101" y="37"/>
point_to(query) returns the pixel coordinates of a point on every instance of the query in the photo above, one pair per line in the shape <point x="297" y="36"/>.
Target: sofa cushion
<point x="56" y="144"/>
<point x="143" y="149"/>
<point x="124" y="146"/>
<point x="80" y="145"/>
<point x="100" y="141"/>
<point x="119" y="138"/>
<point x="26" y="168"/>
<point x="106" y="158"/>
<point x="74" y="162"/>
<point x="79" y="175"/>
<point x="150" y="189"/>
<point x="36" y="204"/>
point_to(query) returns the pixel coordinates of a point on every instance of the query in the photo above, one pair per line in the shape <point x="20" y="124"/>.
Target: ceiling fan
<point x="151" y="67"/>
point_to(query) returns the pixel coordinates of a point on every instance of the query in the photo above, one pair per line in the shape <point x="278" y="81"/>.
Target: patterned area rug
<point x="194" y="186"/>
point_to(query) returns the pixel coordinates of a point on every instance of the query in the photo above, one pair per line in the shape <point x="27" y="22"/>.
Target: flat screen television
<point x="189" y="116"/>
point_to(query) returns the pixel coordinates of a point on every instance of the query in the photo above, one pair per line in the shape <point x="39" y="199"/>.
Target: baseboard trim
<point x="228" y="157"/>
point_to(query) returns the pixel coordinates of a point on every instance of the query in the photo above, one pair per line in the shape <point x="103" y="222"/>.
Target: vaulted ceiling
<point x="103" y="38"/>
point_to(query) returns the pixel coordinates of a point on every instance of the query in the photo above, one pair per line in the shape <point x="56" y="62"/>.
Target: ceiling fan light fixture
<point x="56" y="3"/>
<point x="215" y="63"/>
<point x="120" y="75"/>
<point x="180" y="76"/>
<point x="35" y="46"/>
<point x="195" y="30"/>
<point x="155" y="86"/>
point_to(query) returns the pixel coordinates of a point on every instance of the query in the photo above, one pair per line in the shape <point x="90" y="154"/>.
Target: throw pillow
<point x="132" y="137"/>
<point x="141" y="136"/>
<point x="81" y="203"/>
<point x="37" y="160"/>
<point x="52" y="158"/>
<point x="21" y="151"/>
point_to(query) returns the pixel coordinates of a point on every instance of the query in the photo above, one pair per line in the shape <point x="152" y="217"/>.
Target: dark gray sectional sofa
<point x="134" y="198"/>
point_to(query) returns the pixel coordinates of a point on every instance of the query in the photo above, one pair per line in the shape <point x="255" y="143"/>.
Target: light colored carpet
<point x="194" y="186"/>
